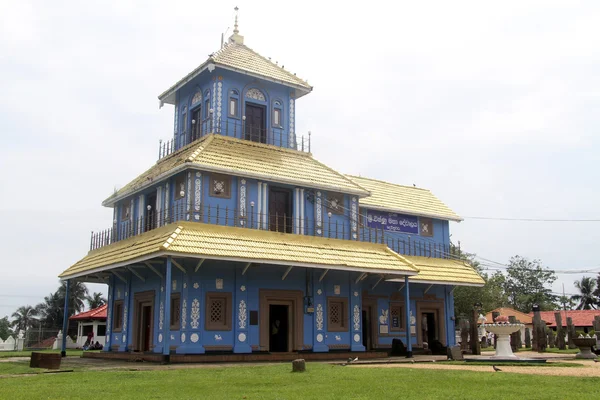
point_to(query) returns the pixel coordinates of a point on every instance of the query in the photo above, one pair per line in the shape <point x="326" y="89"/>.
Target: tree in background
<point x="51" y="310"/>
<point x="78" y="293"/>
<point x="24" y="318"/>
<point x="95" y="300"/>
<point x="566" y="303"/>
<point x="491" y="295"/>
<point x="587" y="300"/>
<point x="5" y="330"/>
<point x="526" y="284"/>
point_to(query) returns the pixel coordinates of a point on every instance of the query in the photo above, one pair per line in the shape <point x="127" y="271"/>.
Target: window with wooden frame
<point x="337" y="314"/>
<point x="426" y="226"/>
<point x="179" y="187"/>
<point x="117" y="316"/>
<point x="335" y="203"/>
<point x="207" y="104"/>
<point x="218" y="311"/>
<point x="396" y="317"/>
<point x="125" y="211"/>
<point x="175" y="311"/>
<point x="277" y="114"/>
<point x="220" y="186"/>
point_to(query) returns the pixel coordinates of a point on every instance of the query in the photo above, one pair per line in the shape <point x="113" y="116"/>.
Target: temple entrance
<point x="279" y="328"/>
<point x="143" y="317"/>
<point x="429" y="327"/>
<point x="254" y="128"/>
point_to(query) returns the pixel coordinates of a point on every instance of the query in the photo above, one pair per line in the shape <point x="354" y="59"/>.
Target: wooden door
<point x="255" y="123"/>
<point x="196" y="131"/>
<point x="280" y="210"/>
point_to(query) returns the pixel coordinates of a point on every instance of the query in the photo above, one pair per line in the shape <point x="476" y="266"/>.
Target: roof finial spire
<point x="236" y="37"/>
<point x="235" y="26"/>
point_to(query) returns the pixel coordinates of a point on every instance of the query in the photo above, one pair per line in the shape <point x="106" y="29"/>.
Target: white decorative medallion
<point x="319" y="292"/>
<point x="242" y="337"/>
<point x="243" y="288"/>
<point x="219" y="283"/>
<point x="383" y="318"/>
<point x="338" y="338"/>
<point x="292" y="138"/>
<point x="184" y="314"/>
<point x="124" y="338"/>
<point x="356" y="337"/>
<point x="196" y="286"/>
<point x="194" y="337"/>
<point x="242" y="314"/>
<point x="218" y="338"/>
<point x="336" y="289"/>
<point x="195" y="314"/>
<point x="319" y="317"/>
<point x="356" y="318"/>
<point x="174" y="285"/>
<point x="160" y="338"/>
<point x="184" y="285"/>
<point x="183" y="337"/>
<point x="161" y="315"/>
<point x="355" y="294"/>
<point x="172" y="337"/>
<point x="125" y="319"/>
<point x="320" y="337"/>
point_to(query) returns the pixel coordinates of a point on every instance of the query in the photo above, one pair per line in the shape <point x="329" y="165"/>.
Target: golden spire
<point x="236" y="37"/>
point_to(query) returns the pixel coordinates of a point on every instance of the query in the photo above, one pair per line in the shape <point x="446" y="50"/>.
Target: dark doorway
<point x="196" y="131"/>
<point x="150" y="220"/>
<point x="255" y="123"/>
<point x="429" y="326"/>
<point x="278" y="328"/>
<point x="366" y="329"/>
<point x="146" y="326"/>
<point x="280" y="210"/>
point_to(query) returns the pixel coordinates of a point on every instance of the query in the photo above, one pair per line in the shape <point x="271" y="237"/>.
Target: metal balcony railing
<point x="275" y="136"/>
<point x="338" y="227"/>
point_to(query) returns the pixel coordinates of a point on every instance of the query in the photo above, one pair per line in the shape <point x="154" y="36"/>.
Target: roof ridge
<point x="171" y="238"/>
<point x="389" y="183"/>
<point x="342" y="175"/>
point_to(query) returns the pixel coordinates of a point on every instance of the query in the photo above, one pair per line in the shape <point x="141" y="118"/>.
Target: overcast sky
<point x="491" y="105"/>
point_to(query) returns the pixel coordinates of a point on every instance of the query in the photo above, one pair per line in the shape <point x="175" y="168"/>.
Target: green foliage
<point x="24" y="318"/>
<point x="96" y="300"/>
<point x="5" y="330"/>
<point x="587" y="298"/>
<point x="527" y="284"/>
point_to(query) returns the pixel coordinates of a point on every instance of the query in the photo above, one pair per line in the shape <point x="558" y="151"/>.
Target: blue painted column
<point x="167" y="322"/>
<point x="355" y="314"/>
<point x="320" y="304"/>
<point x="241" y="321"/>
<point x="63" y="346"/>
<point x="407" y="302"/>
<point x="109" y="313"/>
<point x="128" y="314"/>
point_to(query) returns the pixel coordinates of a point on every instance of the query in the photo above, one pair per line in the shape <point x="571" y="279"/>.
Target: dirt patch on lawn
<point x="590" y="369"/>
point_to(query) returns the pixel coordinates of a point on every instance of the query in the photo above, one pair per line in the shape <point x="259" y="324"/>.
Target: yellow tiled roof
<point x="242" y="244"/>
<point x="440" y="270"/>
<point x="238" y="56"/>
<point x="403" y="199"/>
<point x="227" y="155"/>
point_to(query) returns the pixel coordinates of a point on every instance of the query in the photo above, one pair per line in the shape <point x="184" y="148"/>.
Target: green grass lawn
<point x="321" y="381"/>
<point x="27" y="353"/>
<point x="554" y="350"/>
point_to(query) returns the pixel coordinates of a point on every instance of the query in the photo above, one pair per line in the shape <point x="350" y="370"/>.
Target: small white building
<point x="91" y="321"/>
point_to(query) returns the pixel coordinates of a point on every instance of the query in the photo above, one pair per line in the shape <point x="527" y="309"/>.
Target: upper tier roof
<point x="217" y="153"/>
<point x="240" y="58"/>
<point x="387" y="196"/>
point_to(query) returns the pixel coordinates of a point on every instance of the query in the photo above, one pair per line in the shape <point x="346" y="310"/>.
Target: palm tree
<point x="51" y="310"/>
<point x="586" y="287"/>
<point x="96" y="300"/>
<point x="24" y="318"/>
<point x="78" y="293"/>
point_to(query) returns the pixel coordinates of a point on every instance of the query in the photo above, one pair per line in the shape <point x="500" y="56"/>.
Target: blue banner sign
<point x="392" y="222"/>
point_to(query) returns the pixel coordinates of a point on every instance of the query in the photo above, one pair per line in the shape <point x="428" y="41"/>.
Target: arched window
<point x="234" y="104"/>
<point x="277" y="116"/>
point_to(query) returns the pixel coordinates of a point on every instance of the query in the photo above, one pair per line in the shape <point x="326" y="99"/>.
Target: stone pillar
<point x="571" y="332"/>
<point x="355" y="315"/>
<point x="167" y="312"/>
<point x="527" y="337"/>
<point x="560" y="332"/>
<point x="409" y="353"/>
<point x="515" y="335"/>
<point x="475" y="343"/>
<point x="464" y="334"/>
<point x="550" y="336"/>
<point x="63" y="346"/>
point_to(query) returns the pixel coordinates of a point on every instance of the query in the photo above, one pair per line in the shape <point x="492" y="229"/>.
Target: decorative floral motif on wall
<point x="188" y="199"/>
<point x="219" y="109"/>
<point x="319" y="320"/>
<point x="219" y="283"/>
<point x="218" y="338"/>
<point x="242" y="337"/>
<point x="195" y="314"/>
<point x="161" y="315"/>
<point x="354" y="214"/>
<point x="255" y="94"/>
<point x="292" y="133"/>
<point x="160" y="338"/>
<point x="319" y="212"/>
<point x="338" y="338"/>
<point x="125" y="318"/>
<point x="242" y="201"/>
<point x="383" y="318"/>
<point x="167" y="201"/>
<point x="183" y="337"/>
<point x="320" y="337"/>
<point x="356" y="318"/>
<point x="197" y="97"/>
<point x="356" y="337"/>
<point x="243" y="288"/>
<point x="319" y="292"/>
<point x="194" y="338"/>
<point x="214" y="98"/>
<point x="184" y="314"/>
<point x="196" y="285"/>
<point x="197" y="192"/>
<point x="174" y="285"/>
<point x="242" y="314"/>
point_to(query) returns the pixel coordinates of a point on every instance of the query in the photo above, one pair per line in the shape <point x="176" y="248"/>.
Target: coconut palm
<point x="24" y="318"/>
<point x="51" y="311"/>
<point x="586" y="287"/>
<point x="78" y="293"/>
<point x="95" y="300"/>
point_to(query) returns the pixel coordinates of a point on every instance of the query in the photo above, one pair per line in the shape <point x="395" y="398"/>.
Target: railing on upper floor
<point x="338" y="227"/>
<point x="275" y="136"/>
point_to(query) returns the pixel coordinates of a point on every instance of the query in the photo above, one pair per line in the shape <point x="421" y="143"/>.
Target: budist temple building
<point x="238" y="241"/>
